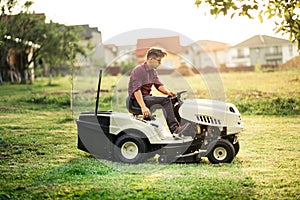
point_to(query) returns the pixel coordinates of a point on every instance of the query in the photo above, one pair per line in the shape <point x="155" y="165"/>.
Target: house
<point x="206" y="53"/>
<point x="111" y="52"/>
<point x="170" y="44"/>
<point x="261" y="50"/>
<point x="92" y="36"/>
<point x="114" y="54"/>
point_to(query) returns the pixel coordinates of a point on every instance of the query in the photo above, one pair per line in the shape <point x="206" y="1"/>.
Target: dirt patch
<point x="293" y="63"/>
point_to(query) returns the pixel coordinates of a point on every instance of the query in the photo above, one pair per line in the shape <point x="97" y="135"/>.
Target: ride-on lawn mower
<point x="130" y="138"/>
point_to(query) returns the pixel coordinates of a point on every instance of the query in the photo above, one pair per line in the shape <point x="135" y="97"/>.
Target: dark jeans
<point x="164" y="103"/>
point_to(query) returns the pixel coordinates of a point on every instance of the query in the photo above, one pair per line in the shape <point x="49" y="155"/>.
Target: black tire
<point x="130" y="149"/>
<point x="222" y="152"/>
<point x="236" y="148"/>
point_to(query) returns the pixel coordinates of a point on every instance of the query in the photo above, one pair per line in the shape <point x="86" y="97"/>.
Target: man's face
<point x="154" y="62"/>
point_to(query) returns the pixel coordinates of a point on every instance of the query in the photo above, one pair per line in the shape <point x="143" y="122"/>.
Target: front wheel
<point x="222" y="152"/>
<point x="130" y="149"/>
<point x="236" y="148"/>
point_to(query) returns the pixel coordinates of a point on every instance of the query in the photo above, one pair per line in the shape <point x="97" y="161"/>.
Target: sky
<point x="122" y="22"/>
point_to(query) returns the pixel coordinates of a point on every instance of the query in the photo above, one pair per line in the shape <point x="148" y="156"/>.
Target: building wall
<point x="97" y="57"/>
<point x="239" y="57"/>
<point x="274" y="54"/>
<point x="256" y="56"/>
<point x="172" y="61"/>
<point x="288" y="52"/>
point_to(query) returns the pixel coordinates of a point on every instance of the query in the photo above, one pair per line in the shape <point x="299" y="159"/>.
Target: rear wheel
<point x="130" y="149"/>
<point x="222" y="152"/>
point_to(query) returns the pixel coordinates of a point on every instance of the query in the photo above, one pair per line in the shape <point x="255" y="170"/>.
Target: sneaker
<point x="180" y="129"/>
<point x="177" y="137"/>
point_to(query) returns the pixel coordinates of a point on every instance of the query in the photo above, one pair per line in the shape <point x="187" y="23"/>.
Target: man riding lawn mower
<point x="196" y="127"/>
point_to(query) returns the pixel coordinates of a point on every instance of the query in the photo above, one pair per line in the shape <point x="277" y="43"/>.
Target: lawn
<point x="39" y="158"/>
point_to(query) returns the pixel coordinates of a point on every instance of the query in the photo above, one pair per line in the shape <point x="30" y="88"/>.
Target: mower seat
<point x="133" y="107"/>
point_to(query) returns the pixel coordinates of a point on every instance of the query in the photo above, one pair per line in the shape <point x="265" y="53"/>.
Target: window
<point x="274" y="50"/>
<point x="242" y="53"/>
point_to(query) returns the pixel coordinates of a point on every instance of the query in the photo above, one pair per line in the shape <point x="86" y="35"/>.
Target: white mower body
<point x="212" y="113"/>
<point x="129" y="137"/>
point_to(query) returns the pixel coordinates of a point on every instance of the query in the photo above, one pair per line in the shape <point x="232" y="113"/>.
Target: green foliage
<point x="53" y="44"/>
<point x="50" y="99"/>
<point x="60" y="44"/>
<point x="287" y="13"/>
<point x="127" y="66"/>
<point x="279" y="106"/>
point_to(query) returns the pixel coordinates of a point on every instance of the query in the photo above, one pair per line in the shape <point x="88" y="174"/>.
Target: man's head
<point x="154" y="56"/>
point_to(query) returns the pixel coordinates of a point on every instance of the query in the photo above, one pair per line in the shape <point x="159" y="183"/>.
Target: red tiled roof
<point x="170" y="44"/>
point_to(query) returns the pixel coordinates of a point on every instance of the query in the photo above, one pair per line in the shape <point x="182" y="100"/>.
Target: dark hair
<point x="156" y="53"/>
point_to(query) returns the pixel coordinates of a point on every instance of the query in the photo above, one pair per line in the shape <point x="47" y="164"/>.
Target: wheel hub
<point x="129" y="150"/>
<point x="220" y="153"/>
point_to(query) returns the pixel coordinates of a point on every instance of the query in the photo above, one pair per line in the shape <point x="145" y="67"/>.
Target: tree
<point x="20" y="40"/>
<point x="27" y="33"/>
<point x="285" y="12"/>
<point x="59" y="46"/>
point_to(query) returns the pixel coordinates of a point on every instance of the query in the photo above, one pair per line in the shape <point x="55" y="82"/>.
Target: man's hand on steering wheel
<point x="177" y="95"/>
<point x="172" y="94"/>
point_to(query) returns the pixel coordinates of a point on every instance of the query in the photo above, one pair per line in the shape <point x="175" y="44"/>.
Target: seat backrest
<point x="133" y="107"/>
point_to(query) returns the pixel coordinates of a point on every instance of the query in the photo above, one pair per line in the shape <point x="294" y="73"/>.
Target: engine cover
<point x="212" y="113"/>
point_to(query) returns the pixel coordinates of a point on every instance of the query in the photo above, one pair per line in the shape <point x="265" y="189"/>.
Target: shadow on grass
<point x="92" y="179"/>
<point x="85" y="177"/>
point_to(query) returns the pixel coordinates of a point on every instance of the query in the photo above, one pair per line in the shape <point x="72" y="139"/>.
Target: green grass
<point x="39" y="158"/>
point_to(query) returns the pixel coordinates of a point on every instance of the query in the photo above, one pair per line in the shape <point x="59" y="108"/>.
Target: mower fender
<point x="211" y="145"/>
<point x="125" y="123"/>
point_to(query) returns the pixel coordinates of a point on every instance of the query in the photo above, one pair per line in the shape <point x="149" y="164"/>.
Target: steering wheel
<point x="180" y="93"/>
<point x="178" y="96"/>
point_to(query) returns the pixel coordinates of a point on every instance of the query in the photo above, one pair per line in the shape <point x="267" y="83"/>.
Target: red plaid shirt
<point x="143" y="78"/>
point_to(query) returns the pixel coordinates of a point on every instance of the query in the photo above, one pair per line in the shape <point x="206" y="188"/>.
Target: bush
<point x="51" y="101"/>
<point x="59" y="100"/>
<point x="276" y="106"/>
